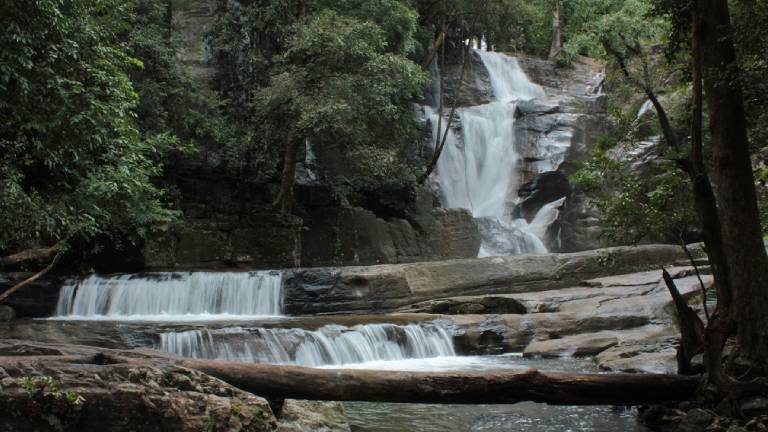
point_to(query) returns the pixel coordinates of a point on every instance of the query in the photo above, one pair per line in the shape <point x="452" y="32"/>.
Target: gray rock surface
<point x="387" y="287"/>
<point x="312" y="416"/>
<point x="582" y="345"/>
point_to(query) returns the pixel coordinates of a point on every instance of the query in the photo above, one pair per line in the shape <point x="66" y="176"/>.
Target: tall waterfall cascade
<point x="331" y="345"/>
<point x="480" y="169"/>
<point x="171" y="296"/>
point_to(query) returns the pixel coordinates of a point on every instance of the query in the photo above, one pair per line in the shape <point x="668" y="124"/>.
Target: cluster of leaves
<point x="75" y="160"/>
<point x="47" y="388"/>
<point x="334" y="73"/>
<point x="635" y="206"/>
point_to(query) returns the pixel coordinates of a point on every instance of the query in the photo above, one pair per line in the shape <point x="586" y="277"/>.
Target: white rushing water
<point x="172" y="296"/>
<point x="481" y="169"/>
<point x="331" y="345"/>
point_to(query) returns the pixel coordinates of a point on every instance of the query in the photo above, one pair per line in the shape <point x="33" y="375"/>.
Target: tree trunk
<point x="738" y="211"/>
<point x="488" y="387"/>
<point x="556" y="46"/>
<point x="706" y="208"/>
<point x="32" y="278"/>
<point x="297" y="382"/>
<point x="436" y="45"/>
<point x="284" y="200"/>
<point x="29" y="255"/>
<point x="691" y="328"/>
<point x="440" y="141"/>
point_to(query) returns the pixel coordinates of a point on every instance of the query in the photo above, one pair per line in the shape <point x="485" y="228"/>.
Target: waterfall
<point x="172" y="295"/>
<point x="480" y="169"/>
<point x="327" y="346"/>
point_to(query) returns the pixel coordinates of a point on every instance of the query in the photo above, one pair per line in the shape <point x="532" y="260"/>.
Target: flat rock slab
<point x="386" y="288"/>
<point x="582" y="345"/>
<point x="490" y="304"/>
<point x="640" y="278"/>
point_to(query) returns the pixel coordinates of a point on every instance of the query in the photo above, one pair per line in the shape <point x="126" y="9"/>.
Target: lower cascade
<point x="328" y="345"/>
<point x="172" y="294"/>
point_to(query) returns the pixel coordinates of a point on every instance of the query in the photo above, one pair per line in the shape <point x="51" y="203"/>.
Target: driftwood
<point x="29" y="255"/>
<point x="32" y="278"/>
<point x="488" y="387"/>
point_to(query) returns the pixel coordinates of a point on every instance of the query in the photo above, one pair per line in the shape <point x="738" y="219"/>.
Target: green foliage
<point x="336" y="73"/>
<point x="47" y="388"/>
<point x="620" y="26"/>
<point x="72" y="160"/>
<point x="634" y="206"/>
<point x="338" y="85"/>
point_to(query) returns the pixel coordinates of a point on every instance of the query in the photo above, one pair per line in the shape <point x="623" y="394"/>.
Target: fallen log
<point x="487" y="387"/>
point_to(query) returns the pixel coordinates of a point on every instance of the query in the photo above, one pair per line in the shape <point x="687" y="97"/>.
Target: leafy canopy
<point x="72" y="160"/>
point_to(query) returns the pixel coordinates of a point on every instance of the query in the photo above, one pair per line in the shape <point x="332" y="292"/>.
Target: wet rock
<point x="582" y="345"/>
<point x="389" y="287"/>
<point x="313" y="416"/>
<point x="697" y="420"/>
<point x="7" y="313"/>
<point x="535" y="107"/>
<point x="475" y="89"/>
<point x="35" y="300"/>
<point x="468" y="305"/>
<point x="754" y="407"/>
<point x="544" y="189"/>
<point x="90" y="397"/>
<point x="623" y="360"/>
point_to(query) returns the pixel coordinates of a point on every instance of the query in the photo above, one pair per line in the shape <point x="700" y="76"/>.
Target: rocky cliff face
<point x="571" y="122"/>
<point x="552" y="134"/>
<point x="229" y="223"/>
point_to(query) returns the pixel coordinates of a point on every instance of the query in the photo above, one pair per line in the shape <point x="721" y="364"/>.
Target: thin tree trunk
<point x="691" y="328"/>
<point x="29" y="255"/>
<point x="441" y="141"/>
<point x="436" y="45"/>
<point x="284" y="200"/>
<point x="706" y="208"/>
<point x="556" y="46"/>
<point x="741" y="233"/>
<point x="32" y="278"/>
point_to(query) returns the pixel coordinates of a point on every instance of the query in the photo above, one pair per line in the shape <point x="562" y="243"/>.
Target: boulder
<point x="697" y="420"/>
<point x="124" y="397"/>
<point x="544" y="189"/>
<point x="754" y="407"/>
<point x="312" y="416"/>
<point x="7" y="313"/>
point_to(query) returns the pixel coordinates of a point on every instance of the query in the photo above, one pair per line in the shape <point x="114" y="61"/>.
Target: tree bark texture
<point x="738" y="211"/>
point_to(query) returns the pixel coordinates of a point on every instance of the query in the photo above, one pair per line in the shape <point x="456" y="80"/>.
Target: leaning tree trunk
<point x="705" y="205"/>
<point x="739" y="216"/>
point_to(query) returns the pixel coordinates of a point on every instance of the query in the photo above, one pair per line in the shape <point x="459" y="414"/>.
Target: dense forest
<point x="142" y="135"/>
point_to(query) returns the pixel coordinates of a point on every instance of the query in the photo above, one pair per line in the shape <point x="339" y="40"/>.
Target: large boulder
<point x="312" y="416"/>
<point x="125" y="397"/>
